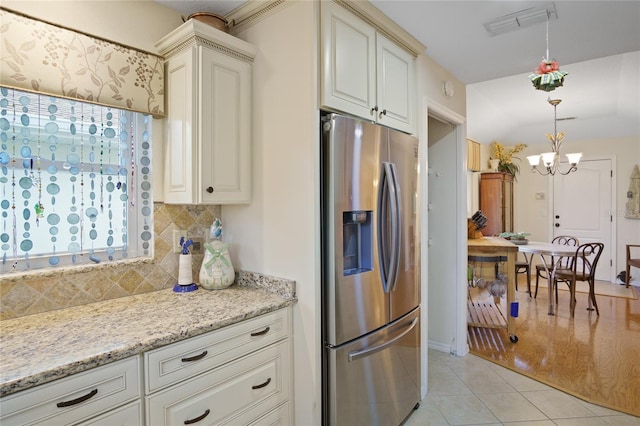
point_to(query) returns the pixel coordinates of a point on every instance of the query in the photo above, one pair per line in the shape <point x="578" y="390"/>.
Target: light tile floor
<point x="472" y="391"/>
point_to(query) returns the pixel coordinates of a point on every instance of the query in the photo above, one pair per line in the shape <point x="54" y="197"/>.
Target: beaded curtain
<point x="71" y="177"/>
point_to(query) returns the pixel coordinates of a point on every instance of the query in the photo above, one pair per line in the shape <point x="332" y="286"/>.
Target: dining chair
<point x="583" y="268"/>
<point x="560" y="262"/>
<point x="631" y="262"/>
<point x="523" y="267"/>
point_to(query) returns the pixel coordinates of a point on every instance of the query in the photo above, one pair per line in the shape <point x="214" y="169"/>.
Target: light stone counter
<point x="40" y="348"/>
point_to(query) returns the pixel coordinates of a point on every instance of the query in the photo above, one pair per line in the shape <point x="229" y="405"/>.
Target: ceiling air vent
<point x="521" y="19"/>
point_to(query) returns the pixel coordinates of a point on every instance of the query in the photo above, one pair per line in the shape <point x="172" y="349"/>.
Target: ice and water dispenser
<point x="357" y="240"/>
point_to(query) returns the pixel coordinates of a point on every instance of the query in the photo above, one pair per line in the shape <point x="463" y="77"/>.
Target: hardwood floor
<point x="595" y="358"/>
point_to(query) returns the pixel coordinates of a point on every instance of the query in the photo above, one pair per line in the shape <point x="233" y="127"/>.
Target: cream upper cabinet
<point x="363" y="72"/>
<point x="207" y="145"/>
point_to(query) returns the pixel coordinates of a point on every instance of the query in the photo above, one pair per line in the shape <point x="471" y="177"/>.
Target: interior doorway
<point x="583" y="202"/>
<point x="447" y="237"/>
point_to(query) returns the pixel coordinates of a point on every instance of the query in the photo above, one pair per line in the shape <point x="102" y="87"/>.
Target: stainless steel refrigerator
<point x="370" y="273"/>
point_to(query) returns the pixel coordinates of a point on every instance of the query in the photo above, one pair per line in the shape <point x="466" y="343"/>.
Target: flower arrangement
<point x="506" y="157"/>
<point x="547" y="76"/>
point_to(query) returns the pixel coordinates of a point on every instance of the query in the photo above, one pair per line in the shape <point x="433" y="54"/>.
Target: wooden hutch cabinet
<point x="496" y="202"/>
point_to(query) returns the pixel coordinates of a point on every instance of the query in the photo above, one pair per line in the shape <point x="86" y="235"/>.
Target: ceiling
<point x="596" y="42"/>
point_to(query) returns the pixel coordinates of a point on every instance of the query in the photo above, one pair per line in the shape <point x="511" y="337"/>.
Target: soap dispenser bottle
<point x="216" y="271"/>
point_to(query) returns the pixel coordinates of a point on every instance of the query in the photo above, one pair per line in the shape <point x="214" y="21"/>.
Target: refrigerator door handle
<point x="386" y="205"/>
<point x="370" y="351"/>
<point x="396" y="229"/>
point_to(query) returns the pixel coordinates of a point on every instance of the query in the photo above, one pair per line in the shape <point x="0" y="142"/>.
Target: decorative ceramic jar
<point x="217" y="270"/>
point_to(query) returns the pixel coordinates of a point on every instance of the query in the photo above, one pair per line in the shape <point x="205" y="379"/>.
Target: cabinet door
<point x="224" y="125"/>
<point x="507" y="192"/>
<point x="179" y="172"/>
<point x="491" y="202"/>
<point x="395" y="91"/>
<point x="496" y="202"/>
<point x="348" y="62"/>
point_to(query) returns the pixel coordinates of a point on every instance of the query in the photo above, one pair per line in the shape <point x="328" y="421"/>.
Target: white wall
<point x="278" y="233"/>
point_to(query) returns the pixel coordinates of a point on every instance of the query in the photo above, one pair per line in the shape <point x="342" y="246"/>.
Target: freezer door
<point x="354" y="301"/>
<point x="375" y="380"/>
<point x="403" y="154"/>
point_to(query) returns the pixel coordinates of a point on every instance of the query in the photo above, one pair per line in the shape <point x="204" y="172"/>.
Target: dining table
<point x="547" y="252"/>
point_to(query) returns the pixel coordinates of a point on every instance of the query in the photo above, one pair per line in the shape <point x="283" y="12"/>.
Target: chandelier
<point x="551" y="160"/>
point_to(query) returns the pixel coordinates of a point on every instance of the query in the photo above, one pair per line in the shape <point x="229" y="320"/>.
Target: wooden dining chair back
<point x="632" y="260"/>
<point x="561" y="262"/>
<point x="583" y="268"/>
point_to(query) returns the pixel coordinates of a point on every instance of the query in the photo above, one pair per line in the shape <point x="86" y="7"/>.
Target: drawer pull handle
<point x="195" y="358"/>
<point x="260" y="333"/>
<point x="197" y="419"/>
<point x="78" y="400"/>
<point x="262" y="384"/>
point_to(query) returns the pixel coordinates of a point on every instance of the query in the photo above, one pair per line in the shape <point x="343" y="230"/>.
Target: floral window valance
<point x="40" y="57"/>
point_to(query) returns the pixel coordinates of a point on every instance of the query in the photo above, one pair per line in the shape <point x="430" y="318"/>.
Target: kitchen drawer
<point x="171" y="364"/>
<point x="247" y="387"/>
<point x="278" y="416"/>
<point x="129" y="415"/>
<point x="106" y="387"/>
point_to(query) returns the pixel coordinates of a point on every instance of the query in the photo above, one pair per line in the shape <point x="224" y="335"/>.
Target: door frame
<point x="612" y="208"/>
<point x="440" y="112"/>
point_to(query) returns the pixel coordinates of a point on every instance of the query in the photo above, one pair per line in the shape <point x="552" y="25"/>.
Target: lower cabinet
<point x="236" y="375"/>
<point x="235" y="393"/>
<point x="77" y="398"/>
<point x="239" y="374"/>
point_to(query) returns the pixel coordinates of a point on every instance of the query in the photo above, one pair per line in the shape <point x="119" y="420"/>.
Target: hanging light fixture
<point x="548" y="75"/>
<point x="551" y="160"/>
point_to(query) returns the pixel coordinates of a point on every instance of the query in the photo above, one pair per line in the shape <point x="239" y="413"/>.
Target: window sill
<point x="9" y="277"/>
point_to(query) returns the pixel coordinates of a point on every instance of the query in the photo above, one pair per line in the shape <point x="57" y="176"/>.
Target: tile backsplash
<point x="47" y="290"/>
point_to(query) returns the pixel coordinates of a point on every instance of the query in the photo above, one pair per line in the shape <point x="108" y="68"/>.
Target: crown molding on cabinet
<point x="384" y="24"/>
<point x="253" y="11"/>
<point x="195" y="32"/>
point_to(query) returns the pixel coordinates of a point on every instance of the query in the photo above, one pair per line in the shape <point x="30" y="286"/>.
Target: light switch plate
<point x="177" y="234"/>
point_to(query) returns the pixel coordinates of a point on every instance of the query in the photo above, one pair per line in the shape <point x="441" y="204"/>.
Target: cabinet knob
<point x="374" y="109"/>
<point x="557" y="225"/>
<point x="210" y="190"/>
<point x="384" y="112"/>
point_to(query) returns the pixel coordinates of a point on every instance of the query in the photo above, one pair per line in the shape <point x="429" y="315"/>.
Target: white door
<point x="582" y="206"/>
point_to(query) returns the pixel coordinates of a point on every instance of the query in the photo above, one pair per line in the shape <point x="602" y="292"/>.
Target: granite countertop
<point x="40" y="348"/>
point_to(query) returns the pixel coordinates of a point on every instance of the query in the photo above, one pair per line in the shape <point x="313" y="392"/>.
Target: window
<point x="75" y="180"/>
